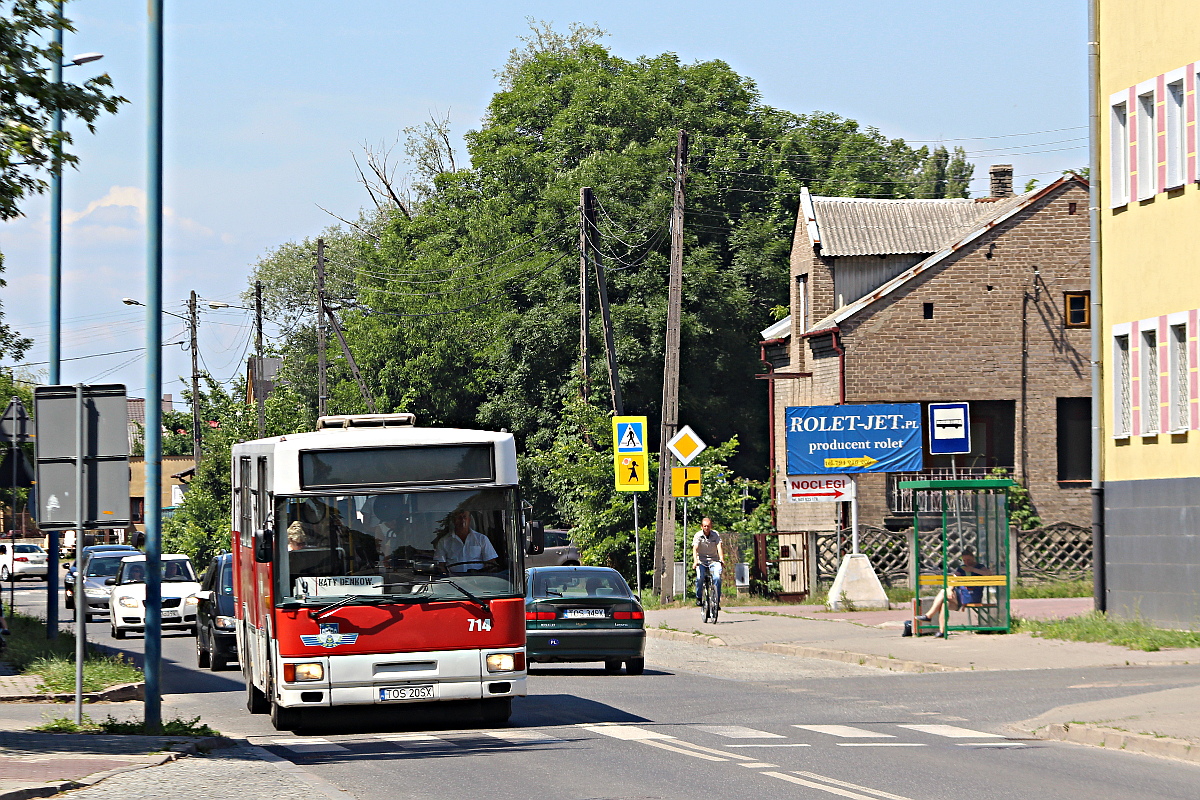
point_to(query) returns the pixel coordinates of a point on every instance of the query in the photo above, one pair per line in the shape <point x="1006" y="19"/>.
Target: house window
<point x="1145" y="146"/>
<point x="1074" y="438"/>
<point x="1119" y="154"/>
<point x="802" y="302"/>
<point x="1122" y="394"/>
<point x="1175" y="130"/>
<point x="1149" y="382"/>
<point x="1078" y="309"/>
<point x="1179" y="378"/>
<point x="927" y="310"/>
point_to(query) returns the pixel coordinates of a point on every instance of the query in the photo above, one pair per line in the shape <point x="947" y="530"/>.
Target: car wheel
<point x="286" y="719"/>
<point x="216" y="659"/>
<point x="635" y="666"/>
<point x="256" y="701"/>
<point x="612" y="666"/>
<point x="201" y="654"/>
<point x="3" y="573"/>
<point x="496" y="710"/>
<point x="69" y="602"/>
<point x="118" y="633"/>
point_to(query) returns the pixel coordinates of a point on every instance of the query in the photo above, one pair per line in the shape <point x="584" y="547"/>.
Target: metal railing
<point x="900" y="501"/>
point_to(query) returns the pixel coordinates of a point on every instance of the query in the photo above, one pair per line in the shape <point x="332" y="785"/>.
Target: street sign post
<point x="631" y="473"/>
<point x="686" y="445"/>
<point x="685" y="482"/>
<point x="14" y="429"/>
<point x="949" y="429"/>
<point x="820" y="488"/>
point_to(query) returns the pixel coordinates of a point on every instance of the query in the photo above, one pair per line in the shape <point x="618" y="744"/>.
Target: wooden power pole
<point x="584" y="366"/>
<point x="193" y="321"/>
<point x="664" y="532"/>
<point x="322" y="367"/>
<point x="588" y="209"/>
<point x="259" y="400"/>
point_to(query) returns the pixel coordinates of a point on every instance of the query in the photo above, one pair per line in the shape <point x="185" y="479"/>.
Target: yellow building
<point x="1149" y="266"/>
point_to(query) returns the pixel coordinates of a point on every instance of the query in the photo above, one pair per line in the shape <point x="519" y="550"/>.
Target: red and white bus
<point x="376" y="562"/>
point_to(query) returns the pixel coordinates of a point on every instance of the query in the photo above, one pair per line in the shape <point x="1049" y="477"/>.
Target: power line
<point x="93" y="355"/>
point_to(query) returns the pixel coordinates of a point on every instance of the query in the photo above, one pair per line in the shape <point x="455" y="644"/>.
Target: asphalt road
<point x="711" y="722"/>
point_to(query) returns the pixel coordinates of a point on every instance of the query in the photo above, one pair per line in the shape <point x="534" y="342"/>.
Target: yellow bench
<point x="920" y="627"/>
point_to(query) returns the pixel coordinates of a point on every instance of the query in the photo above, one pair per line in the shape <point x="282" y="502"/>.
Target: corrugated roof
<point x="853" y="226"/>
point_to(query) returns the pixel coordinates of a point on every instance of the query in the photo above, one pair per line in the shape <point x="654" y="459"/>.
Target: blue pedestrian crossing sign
<point x="631" y="436"/>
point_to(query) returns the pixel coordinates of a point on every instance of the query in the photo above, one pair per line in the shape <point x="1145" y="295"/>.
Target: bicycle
<point x="710" y="601"/>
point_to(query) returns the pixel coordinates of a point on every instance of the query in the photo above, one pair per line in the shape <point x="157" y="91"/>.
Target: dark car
<point x="84" y="554"/>
<point x="583" y="614"/>
<point x="216" y="626"/>
<point x="560" y="551"/>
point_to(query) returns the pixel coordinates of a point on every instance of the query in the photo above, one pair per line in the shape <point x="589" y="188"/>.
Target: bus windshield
<point x="403" y="546"/>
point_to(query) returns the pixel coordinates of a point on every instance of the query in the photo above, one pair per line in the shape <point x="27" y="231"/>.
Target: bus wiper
<point x="470" y="596"/>
<point x="345" y="601"/>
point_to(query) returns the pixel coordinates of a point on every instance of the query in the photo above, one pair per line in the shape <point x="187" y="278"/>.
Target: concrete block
<point x="857" y="581"/>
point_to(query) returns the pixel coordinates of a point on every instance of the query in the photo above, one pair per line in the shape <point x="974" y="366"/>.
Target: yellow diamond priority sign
<point x="686" y="445"/>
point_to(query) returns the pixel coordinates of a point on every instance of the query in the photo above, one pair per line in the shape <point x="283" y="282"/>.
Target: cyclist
<point x="708" y="556"/>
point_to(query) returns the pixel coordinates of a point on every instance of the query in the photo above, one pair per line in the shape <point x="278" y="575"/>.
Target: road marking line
<point x="410" y="737"/>
<point x="836" y="782"/>
<point x="521" y="737"/>
<point x="735" y="756"/>
<point x="630" y="733"/>
<point x="824" y="787"/>
<point x="757" y="764"/>
<point x="845" y="731"/>
<point x="879" y="744"/>
<point x="952" y="732"/>
<point x="989" y="744"/>
<point x="310" y="745"/>
<point x="770" y="745"/>
<point x="738" y="732"/>
<point x="692" y="753"/>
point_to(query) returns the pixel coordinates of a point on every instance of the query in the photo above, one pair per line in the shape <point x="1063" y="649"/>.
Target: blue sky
<point x="267" y="100"/>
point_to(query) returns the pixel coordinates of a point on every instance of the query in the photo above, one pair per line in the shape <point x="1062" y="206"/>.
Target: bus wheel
<point x="285" y="719"/>
<point x="496" y="710"/>
<point x="256" y="701"/>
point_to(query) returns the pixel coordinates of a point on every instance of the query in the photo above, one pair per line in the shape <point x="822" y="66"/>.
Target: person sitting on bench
<point x="961" y="596"/>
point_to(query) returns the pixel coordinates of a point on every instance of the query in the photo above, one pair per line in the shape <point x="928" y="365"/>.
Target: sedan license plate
<point x="395" y="694"/>
<point x="170" y="614"/>
<point x="583" y="613"/>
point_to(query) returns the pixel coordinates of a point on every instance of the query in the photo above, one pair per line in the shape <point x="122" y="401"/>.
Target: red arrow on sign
<point x="834" y="493"/>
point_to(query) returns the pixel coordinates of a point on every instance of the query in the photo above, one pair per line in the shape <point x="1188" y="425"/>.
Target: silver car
<point x="99" y="568"/>
<point x="560" y="551"/>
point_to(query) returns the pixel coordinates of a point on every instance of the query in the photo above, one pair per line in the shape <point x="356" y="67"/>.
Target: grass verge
<point x="29" y="651"/>
<point x="1098" y="627"/>
<point x="172" y="727"/>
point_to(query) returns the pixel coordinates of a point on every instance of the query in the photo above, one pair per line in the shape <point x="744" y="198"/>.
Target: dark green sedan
<point x="584" y="614"/>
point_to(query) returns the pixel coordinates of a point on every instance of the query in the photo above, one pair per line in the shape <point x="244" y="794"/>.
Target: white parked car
<point x="21" y="560"/>
<point x="127" y="603"/>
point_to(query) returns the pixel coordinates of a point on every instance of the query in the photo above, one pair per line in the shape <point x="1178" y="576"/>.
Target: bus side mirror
<point x="535" y="538"/>
<point x="264" y="546"/>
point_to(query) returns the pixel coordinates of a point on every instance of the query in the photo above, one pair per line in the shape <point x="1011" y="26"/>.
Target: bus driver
<point x="465" y="549"/>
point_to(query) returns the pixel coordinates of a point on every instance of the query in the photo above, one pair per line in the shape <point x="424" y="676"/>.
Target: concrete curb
<point x="113" y="694"/>
<point x="1112" y="739"/>
<point x="862" y="659"/>
<point x="321" y="785"/>
<point x="173" y="753"/>
<point x="684" y="636"/>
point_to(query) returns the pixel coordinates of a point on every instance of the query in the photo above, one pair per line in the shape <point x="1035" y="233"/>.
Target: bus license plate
<point x="395" y="694"/>
<point x="583" y="613"/>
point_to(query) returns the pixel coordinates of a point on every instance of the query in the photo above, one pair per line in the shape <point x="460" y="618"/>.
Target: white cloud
<point x="121" y="213"/>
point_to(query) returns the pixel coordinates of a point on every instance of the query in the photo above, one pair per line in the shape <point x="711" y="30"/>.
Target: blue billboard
<point x="853" y="439"/>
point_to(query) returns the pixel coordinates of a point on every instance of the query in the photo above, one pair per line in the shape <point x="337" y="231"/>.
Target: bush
<point x="29" y="651"/>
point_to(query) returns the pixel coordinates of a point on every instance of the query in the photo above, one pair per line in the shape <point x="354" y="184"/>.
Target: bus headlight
<point x="295" y="673"/>
<point x="505" y="662"/>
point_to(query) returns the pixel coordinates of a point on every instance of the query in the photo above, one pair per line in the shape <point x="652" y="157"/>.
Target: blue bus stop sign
<point x="949" y="429"/>
<point x="824" y="440"/>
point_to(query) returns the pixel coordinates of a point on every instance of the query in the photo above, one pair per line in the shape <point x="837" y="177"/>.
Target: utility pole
<point x="322" y="388"/>
<point x="588" y="208"/>
<point x="664" y="534"/>
<point x="362" y="385"/>
<point x="584" y="367"/>
<point x="259" y="400"/>
<point x="193" y="319"/>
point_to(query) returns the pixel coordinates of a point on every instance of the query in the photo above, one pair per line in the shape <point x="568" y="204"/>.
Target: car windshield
<point x="177" y="571"/>
<point x="103" y="567"/>
<point x="226" y="585"/>
<point x="570" y="584"/>
<point x="407" y="546"/>
<point x="26" y="548"/>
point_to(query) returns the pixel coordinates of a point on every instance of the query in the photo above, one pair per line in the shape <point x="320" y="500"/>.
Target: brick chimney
<point x="1002" y="177"/>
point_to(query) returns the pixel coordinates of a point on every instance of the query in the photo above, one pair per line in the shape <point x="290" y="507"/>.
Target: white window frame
<point x="1147" y="140"/>
<point x="1149" y="402"/>
<point x="1118" y="192"/>
<point x="1175" y="108"/>
<point x="1122" y="382"/>
<point x="1177" y="363"/>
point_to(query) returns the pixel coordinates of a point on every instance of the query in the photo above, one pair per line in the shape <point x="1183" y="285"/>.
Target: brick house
<point x="916" y="301"/>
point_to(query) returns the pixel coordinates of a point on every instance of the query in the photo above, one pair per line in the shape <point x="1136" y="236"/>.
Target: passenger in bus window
<point x="466" y="549"/>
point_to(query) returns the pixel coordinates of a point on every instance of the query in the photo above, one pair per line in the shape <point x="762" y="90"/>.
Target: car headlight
<point x="295" y="673"/>
<point x="128" y="602"/>
<point x="225" y="623"/>
<point x="191" y="601"/>
<point x="505" y="662"/>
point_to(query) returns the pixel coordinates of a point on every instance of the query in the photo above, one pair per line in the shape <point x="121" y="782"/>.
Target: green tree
<point x="29" y="98"/>
<point x="943" y="174"/>
<point x="12" y="344"/>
